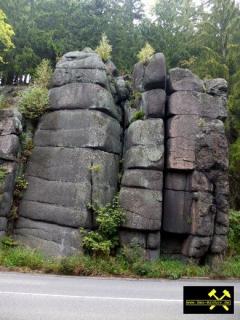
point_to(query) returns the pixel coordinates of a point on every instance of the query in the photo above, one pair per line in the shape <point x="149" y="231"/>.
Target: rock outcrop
<point x="168" y="144"/>
<point x="142" y="183"/>
<point x="10" y="129"/>
<point x="196" y="188"/>
<point x="75" y="162"/>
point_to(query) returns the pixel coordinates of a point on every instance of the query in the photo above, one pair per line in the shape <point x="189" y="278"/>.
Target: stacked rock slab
<point x="196" y="188"/>
<point x="75" y="161"/>
<point x="10" y="129"/>
<point x="142" y="182"/>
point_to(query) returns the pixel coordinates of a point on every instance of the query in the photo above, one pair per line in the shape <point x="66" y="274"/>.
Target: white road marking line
<point x="91" y="297"/>
<point x="87" y="297"/>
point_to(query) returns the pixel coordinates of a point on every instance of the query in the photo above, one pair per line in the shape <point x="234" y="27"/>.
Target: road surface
<point x="49" y="297"/>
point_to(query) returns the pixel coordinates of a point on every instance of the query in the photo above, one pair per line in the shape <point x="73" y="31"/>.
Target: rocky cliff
<point x="174" y="185"/>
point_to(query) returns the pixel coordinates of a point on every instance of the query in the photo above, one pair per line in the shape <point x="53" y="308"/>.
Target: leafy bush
<point x="234" y="232"/>
<point x="43" y="74"/>
<point x="33" y="102"/>
<point x="104" y="48"/>
<point x="145" y="53"/>
<point x="105" y="239"/>
<point x="138" y="115"/>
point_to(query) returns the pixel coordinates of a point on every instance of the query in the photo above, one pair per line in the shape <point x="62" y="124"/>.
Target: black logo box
<point x="196" y="300"/>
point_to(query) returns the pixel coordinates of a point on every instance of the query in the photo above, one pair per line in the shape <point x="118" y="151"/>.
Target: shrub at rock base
<point x="34" y="102"/>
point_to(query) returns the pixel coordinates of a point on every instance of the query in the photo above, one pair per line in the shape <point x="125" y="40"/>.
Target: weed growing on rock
<point x="145" y="53"/>
<point x="138" y="115"/>
<point x="104" y="48"/>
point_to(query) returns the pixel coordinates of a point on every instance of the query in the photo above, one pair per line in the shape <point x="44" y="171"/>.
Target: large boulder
<point x="184" y="80"/>
<point x="79" y="129"/>
<point x="83" y="96"/>
<point x="151" y="75"/>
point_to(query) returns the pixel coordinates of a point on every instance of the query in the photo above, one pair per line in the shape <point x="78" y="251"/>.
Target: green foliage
<point x="34" y="102"/>
<point x="27" y="146"/>
<point x="20" y="258"/>
<point x="145" y="53"/>
<point x="138" y="115"/>
<point x="8" y="242"/>
<point x="3" y="173"/>
<point x="20" y="186"/>
<point x="95" y="168"/>
<point x="6" y="34"/>
<point x="234" y="232"/>
<point x="235" y="174"/>
<point x="43" y="74"/>
<point x="105" y="239"/>
<point x="104" y="48"/>
<point x="135" y="99"/>
<point x="3" y="102"/>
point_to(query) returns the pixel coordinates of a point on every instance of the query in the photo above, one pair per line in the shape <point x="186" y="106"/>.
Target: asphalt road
<point x="48" y="297"/>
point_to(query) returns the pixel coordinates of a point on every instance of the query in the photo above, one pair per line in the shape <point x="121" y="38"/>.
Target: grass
<point x="19" y="258"/>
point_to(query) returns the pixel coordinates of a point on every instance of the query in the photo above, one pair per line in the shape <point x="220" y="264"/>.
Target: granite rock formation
<point x="10" y="129"/>
<point x="75" y="162"/>
<point x="174" y="186"/>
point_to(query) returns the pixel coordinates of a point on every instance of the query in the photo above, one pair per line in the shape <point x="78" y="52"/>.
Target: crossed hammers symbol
<point x="225" y="294"/>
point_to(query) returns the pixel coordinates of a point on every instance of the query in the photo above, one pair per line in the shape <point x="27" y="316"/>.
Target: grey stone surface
<point x="9" y="147"/>
<point x="147" y="179"/>
<point x="81" y="60"/>
<point x="111" y="68"/>
<point x="219" y="243"/>
<point x="3" y="225"/>
<point x="217" y="87"/>
<point x="51" y="239"/>
<point x="66" y="75"/>
<point x="143" y="208"/>
<point x="153" y="240"/>
<point x="152" y="254"/>
<point x="79" y="128"/>
<point x="138" y="75"/>
<point x="152" y="75"/>
<point x="195" y="103"/>
<point x="62" y="182"/>
<point x="181" y="181"/>
<point x="177" y="211"/>
<point x="195" y="246"/>
<point x="144" y="145"/>
<point x="145" y="133"/>
<point x="132" y="238"/>
<point x="184" y="80"/>
<point x="155" y="72"/>
<point x="153" y="103"/>
<point x="83" y="96"/>
<point x="144" y="157"/>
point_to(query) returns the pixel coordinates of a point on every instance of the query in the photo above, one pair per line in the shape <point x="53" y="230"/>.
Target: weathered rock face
<point x="196" y="189"/>
<point x="10" y="129"/>
<point x="75" y="162"/>
<point x="174" y="186"/>
<point x="142" y="182"/>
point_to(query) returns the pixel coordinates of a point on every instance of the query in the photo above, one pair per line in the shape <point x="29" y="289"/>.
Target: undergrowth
<point x="18" y="258"/>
